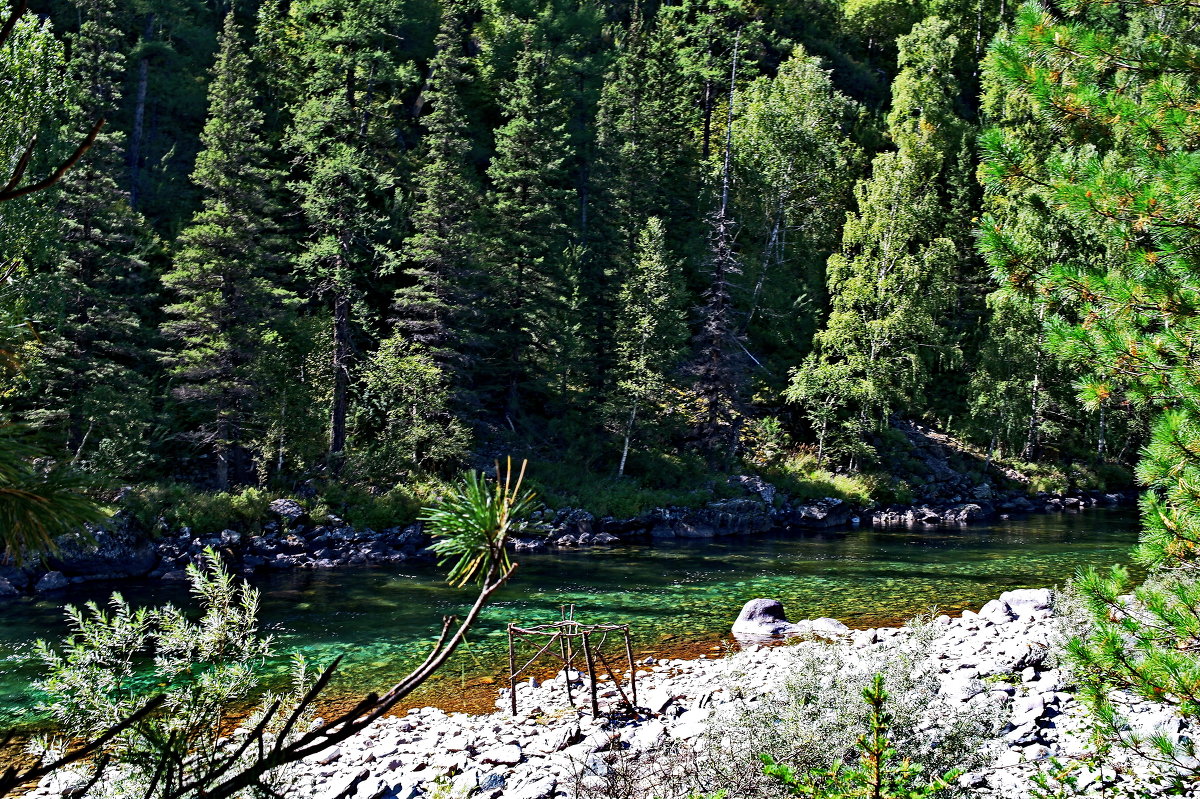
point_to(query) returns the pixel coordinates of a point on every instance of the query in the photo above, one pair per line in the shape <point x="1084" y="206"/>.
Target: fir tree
<point x="343" y="132"/>
<point x="718" y="363"/>
<point x="532" y="201"/>
<point x="226" y="292"/>
<point x="646" y="161"/>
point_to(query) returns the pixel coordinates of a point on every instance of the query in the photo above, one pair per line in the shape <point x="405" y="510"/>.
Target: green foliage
<point x="173" y="506"/>
<point x="37" y="501"/>
<point x="114" y="660"/>
<point x="473" y="521"/>
<point x="880" y="773"/>
<point x="226" y="294"/>
<point x="403" y="420"/>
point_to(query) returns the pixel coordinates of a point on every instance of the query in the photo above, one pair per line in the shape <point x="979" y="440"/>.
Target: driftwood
<point x="13" y="189"/>
<point x="566" y="640"/>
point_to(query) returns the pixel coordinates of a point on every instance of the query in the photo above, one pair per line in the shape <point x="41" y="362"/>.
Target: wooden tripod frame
<point x="565" y="640"/>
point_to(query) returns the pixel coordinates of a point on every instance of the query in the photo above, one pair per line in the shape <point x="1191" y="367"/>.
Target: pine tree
<point x="91" y="382"/>
<point x="1119" y="97"/>
<point x="436" y="309"/>
<point x="650" y="330"/>
<point x="226" y="293"/>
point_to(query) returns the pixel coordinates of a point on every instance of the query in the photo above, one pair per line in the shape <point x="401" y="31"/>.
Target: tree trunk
<point x="628" y="436"/>
<point x="1031" y="443"/>
<point x="341" y="377"/>
<point x="139" y="115"/>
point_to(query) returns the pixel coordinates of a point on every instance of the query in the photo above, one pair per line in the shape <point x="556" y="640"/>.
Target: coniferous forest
<point x="359" y="246"/>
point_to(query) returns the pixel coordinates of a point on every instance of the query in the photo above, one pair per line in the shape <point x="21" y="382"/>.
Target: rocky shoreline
<point x="293" y="540"/>
<point x="993" y="673"/>
<point x="997" y="664"/>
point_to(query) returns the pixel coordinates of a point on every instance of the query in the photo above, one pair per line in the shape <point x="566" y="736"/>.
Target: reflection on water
<point x="382" y="620"/>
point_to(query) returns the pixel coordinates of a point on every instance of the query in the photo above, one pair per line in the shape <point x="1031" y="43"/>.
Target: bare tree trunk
<point x="628" y="436"/>
<point x="1102" y="440"/>
<point x="341" y="376"/>
<point x="139" y="115"/>
<point x="1031" y="443"/>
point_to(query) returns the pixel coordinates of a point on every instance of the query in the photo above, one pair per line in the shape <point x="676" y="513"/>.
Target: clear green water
<point x="671" y="594"/>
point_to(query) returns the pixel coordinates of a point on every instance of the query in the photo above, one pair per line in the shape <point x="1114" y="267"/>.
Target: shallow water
<point x="678" y="596"/>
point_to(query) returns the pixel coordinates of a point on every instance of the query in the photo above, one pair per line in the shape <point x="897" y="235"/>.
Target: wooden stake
<point x="512" y="669"/>
<point x="591" y="666"/>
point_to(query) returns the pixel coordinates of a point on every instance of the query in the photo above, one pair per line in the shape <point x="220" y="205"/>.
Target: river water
<point x="679" y="597"/>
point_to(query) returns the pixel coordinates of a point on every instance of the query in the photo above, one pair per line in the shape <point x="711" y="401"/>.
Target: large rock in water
<point x="762" y="617"/>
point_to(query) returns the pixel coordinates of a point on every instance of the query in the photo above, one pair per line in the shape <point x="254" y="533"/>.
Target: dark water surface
<point x="677" y="596"/>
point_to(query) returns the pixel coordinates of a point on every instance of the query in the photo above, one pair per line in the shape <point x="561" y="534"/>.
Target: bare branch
<point x="58" y="174"/>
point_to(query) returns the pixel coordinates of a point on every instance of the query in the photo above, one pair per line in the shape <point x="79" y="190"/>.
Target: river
<point x="679" y="597"/>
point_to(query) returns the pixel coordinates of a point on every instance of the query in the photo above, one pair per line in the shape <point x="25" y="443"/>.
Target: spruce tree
<point x="1118" y="95"/>
<point x="226" y="294"/>
<point x="650" y="331"/>
<point x="436" y="309"/>
<point x="91" y="382"/>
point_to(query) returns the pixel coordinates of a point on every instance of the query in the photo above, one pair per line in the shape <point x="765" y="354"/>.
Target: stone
<point x="508" y="755"/>
<point x="7" y="589"/>
<point x="51" y="581"/>
<point x="1025" y="602"/>
<point x="762" y="617"/>
<point x="113" y="554"/>
<point x="289" y="510"/>
<point x="996" y="611"/>
<point x="541" y="789"/>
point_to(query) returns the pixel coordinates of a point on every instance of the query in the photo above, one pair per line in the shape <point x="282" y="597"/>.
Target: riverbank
<point x="984" y="691"/>
<point x="294" y="540"/>
<point x="993" y="673"/>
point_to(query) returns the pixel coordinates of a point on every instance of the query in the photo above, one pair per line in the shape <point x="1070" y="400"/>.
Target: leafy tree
<point x="227" y="294"/>
<point x="892" y="283"/>
<point x="793" y="167"/>
<point x="1115" y="90"/>
<point x="650" y="329"/>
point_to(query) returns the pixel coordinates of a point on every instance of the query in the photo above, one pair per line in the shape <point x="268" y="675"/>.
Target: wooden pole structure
<point x="632" y="670"/>
<point x="591" y="667"/>
<point x="512" y="669"/>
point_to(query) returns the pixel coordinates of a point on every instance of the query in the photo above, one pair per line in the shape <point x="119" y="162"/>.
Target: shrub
<point x="880" y="773"/>
<point x="115" y="660"/>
